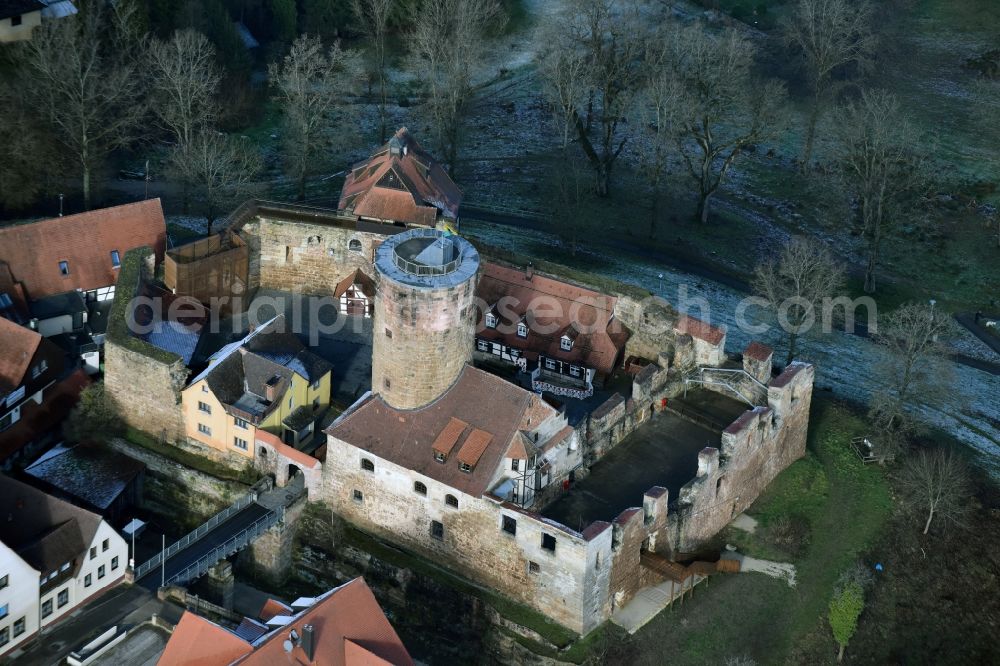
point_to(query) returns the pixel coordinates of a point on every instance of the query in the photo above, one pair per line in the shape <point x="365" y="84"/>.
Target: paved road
<point x="204" y="546"/>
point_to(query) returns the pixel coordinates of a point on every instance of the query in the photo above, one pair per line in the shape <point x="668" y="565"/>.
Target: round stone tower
<point x="424" y="322"/>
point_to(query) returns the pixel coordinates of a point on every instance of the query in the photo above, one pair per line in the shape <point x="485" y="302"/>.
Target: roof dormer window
<point x="491" y="320"/>
<point x="64" y="268"/>
<point x="522" y="330"/>
<point x="440" y="457"/>
<point x="466" y="467"/>
<point x="116" y="259"/>
<point x="565" y="343"/>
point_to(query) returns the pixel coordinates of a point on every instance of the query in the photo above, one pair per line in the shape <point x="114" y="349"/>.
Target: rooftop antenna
<point x="60" y="205"/>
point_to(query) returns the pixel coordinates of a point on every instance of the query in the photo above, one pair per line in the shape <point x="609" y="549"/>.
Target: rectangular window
<point x="4" y="581"/>
<point x="482" y="345"/>
<point x="509" y="525"/>
<point x="522" y="331"/>
<point x="550" y="364"/>
<point x="388" y="334"/>
<point x="440" y="457"/>
<point x="64" y="567"/>
<point x="19" y="627"/>
<point x="204" y="388"/>
<point x="437" y="530"/>
<point x="87" y="580"/>
<point x="4" y="636"/>
<point x="549" y="542"/>
<point x="491" y="320"/>
<point x="116" y="259"/>
<point x="533" y="567"/>
<point x="241" y="423"/>
<point x="100" y="572"/>
<point x="574" y="370"/>
<point x="204" y="407"/>
<point x="515" y="464"/>
<point x="315" y="385"/>
<point x="240" y="443"/>
<point x="105" y="545"/>
<point x="358" y="496"/>
<point x="64" y="268"/>
<point x="204" y="429"/>
<point x="565" y="343"/>
<point x="114" y="562"/>
<point x="47" y="608"/>
<point x="15" y="20"/>
<point x="63" y="598"/>
<point x="465" y="467"/>
<point x="93" y="552"/>
<point x="4" y="610"/>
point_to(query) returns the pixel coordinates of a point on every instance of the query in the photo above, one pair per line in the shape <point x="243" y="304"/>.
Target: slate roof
<point x="240" y="372"/>
<point x="85" y="241"/>
<point x="46" y="532"/>
<point x="10" y="8"/>
<point x="400" y="182"/>
<point x="66" y="303"/>
<point x="19" y="345"/>
<point x="551" y="308"/>
<point x="478" y="399"/>
<point x="94" y="475"/>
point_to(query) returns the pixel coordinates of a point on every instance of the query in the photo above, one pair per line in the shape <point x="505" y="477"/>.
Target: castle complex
<point x="484" y="410"/>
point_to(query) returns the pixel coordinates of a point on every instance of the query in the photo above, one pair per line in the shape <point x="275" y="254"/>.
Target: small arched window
<point x="354" y="245"/>
<point x="718" y="485"/>
<point x="419" y="488"/>
<point x="451" y="501"/>
<point x="367" y="465"/>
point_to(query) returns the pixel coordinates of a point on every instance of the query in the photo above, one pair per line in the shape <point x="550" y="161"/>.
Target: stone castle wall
<point x="421" y="340"/>
<point x="754" y="450"/>
<point x="569" y="585"/>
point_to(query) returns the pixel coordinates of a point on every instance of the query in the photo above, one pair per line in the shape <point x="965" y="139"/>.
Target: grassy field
<point x="843" y="505"/>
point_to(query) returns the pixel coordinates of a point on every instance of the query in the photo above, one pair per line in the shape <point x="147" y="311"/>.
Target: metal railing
<point x="193" y="536"/>
<point x="231" y="546"/>
<point x="720" y="377"/>
<point x="414" y="268"/>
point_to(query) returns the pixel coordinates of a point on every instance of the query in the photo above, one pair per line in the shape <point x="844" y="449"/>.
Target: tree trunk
<point x="86" y="187"/>
<point x="792" y="339"/>
<point x="927" y="525"/>
<point x="810" y="137"/>
<point x="840" y="653"/>
<point x="302" y="185"/>
<point x="703" y="205"/>
<point x="870" y="274"/>
<point x="603" y="180"/>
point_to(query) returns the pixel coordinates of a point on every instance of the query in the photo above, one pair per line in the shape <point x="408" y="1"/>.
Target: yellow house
<point x="18" y="18"/>
<point x="267" y="380"/>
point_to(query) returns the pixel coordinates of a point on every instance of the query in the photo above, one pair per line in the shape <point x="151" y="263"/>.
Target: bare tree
<point x="312" y="84"/>
<point x="796" y="283"/>
<point x="830" y="36"/>
<point x="373" y="17"/>
<point x="448" y="42"/>
<point x="185" y="84"/>
<point x="656" y="107"/>
<point x="985" y="108"/>
<point x="569" y="190"/>
<point x="912" y="370"/>
<point x="881" y="166"/>
<point x="222" y="170"/>
<point x="722" y="109"/>
<point x="601" y="43"/>
<point x="936" y="482"/>
<point x="25" y="153"/>
<point x="86" y="84"/>
<point x="562" y="73"/>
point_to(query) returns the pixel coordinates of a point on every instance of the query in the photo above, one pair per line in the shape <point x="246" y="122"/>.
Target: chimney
<point x="529" y="272"/>
<point x="271" y="388"/>
<point x="308" y="642"/>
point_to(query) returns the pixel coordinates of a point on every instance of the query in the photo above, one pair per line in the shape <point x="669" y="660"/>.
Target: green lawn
<point x="845" y="504"/>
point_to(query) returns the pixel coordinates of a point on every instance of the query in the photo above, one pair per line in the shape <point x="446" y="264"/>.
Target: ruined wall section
<point x="143" y="381"/>
<point x="567" y="584"/>
<point x="305" y="257"/>
<point x="755" y="449"/>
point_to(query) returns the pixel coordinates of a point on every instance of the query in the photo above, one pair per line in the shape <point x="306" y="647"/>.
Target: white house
<point x="54" y="556"/>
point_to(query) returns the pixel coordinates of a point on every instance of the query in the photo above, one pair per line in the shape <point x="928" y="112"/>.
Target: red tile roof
<point x="758" y="351"/>
<point x="400" y="182"/>
<point x="198" y="642"/>
<point x="448" y="437"/>
<point x="293" y="454"/>
<point x="699" y="329"/>
<point x="349" y="629"/>
<point x="406" y="438"/>
<point x="474" y="447"/>
<point x="85" y="241"/>
<point x="788" y="374"/>
<point x="18" y="345"/>
<point x="556" y="308"/>
<point x="744" y="419"/>
<point x="356" y="277"/>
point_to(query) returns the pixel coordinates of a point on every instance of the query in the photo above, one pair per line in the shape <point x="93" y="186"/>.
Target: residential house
<point x="18" y="18"/>
<point x="268" y="380"/>
<point x="565" y="335"/>
<point x="54" y="556"/>
<point x="342" y="627"/>
<point x="30" y="366"/>
<point x="401" y="184"/>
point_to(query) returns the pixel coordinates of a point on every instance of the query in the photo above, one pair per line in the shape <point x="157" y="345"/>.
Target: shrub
<point x="94" y="417"/>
